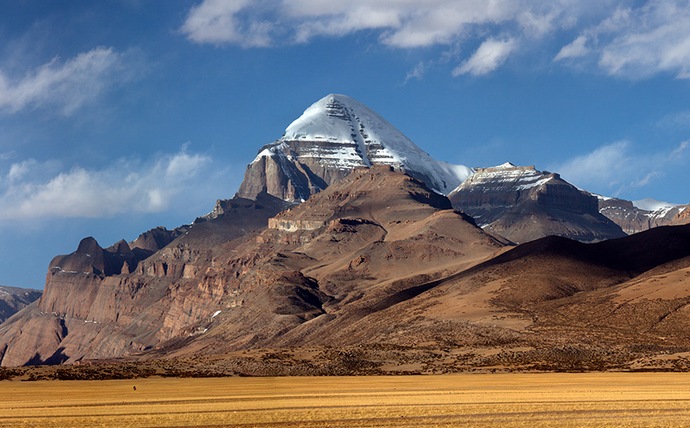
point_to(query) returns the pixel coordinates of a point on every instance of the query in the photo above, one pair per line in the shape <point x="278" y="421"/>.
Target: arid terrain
<point x="505" y="400"/>
<point x="374" y="275"/>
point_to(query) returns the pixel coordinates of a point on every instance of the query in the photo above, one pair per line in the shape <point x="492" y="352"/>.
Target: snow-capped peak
<point x="506" y="165"/>
<point x="340" y="132"/>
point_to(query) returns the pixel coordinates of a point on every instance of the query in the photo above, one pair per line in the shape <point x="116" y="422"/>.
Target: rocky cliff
<point x="102" y="303"/>
<point x="523" y="204"/>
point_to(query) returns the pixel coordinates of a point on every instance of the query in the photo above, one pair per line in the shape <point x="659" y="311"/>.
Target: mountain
<point x="340" y="254"/>
<point x="355" y="248"/>
<point x="13" y="299"/>
<point x="634" y="217"/>
<point x="376" y="274"/>
<point x="332" y="137"/>
<point x="523" y="204"/>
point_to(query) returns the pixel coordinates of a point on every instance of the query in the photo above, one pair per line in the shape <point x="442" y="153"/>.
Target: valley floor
<point x="548" y="399"/>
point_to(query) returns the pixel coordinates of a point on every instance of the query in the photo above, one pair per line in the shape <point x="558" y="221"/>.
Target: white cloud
<point x="400" y="23"/>
<point x="639" y="42"/>
<point x="576" y="49"/>
<point x="66" y="85"/>
<point x="488" y="57"/>
<point x="20" y="169"/>
<point x="679" y="121"/>
<point x="657" y="39"/>
<point x="617" y="167"/>
<point x="33" y="189"/>
<point x="603" y="165"/>
<point x="620" y="37"/>
<point x="215" y="21"/>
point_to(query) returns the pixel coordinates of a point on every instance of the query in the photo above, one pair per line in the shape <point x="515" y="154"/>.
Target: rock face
<point x="101" y="303"/>
<point x="523" y="204"/>
<point x="633" y="219"/>
<point x="13" y="299"/>
<point x="334" y="136"/>
<point x="155" y="239"/>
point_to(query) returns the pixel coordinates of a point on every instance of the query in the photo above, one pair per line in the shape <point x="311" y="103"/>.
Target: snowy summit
<point x="340" y="132"/>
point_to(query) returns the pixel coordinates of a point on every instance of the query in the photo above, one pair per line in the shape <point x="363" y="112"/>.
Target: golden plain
<point x="505" y="400"/>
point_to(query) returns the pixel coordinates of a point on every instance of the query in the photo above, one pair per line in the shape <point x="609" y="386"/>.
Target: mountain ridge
<point x="369" y="268"/>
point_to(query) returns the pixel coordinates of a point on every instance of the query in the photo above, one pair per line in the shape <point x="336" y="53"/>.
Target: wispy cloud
<point x="617" y="167"/>
<point x="33" y="189"/>
<point x="679" y="151"/>
<point x="652" y="39"/>
<point x="620" y="37"/>
<point x="417" y="72"/>
<point x="222" y="22"/>
<point x="66" y="85"/>
<point x="488" y="57"/>
<point x="576" y="49"/>
<point x="679" y="121"/>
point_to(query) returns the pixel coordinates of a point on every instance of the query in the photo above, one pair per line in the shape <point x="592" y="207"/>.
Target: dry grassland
<point x="505" y="400"/>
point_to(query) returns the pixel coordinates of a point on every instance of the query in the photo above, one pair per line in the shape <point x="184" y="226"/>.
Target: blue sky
<point x="119" y="116"/>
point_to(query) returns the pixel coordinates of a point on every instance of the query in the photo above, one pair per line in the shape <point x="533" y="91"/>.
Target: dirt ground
<point x="591" y="399"/>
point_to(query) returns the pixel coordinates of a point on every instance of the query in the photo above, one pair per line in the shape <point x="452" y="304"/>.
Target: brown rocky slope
<point x="110" y="302"/>
<point x="341" y="254"/>
<point x="375" y="274"/>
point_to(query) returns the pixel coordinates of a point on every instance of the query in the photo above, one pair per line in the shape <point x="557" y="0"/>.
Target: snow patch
<point x="506" y="165"/>
<point x="534" y="184"/>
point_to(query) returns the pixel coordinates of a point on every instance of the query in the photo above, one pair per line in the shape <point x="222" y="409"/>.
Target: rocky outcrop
<point x="91" y="258"/>
<point x="13" y="299"/>
<point x="157" y="238"/>
<point x="288" y="176"/>
<point x="523" y="204"/>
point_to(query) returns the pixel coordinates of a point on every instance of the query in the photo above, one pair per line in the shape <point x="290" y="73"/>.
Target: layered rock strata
<point x="523" y="204"/>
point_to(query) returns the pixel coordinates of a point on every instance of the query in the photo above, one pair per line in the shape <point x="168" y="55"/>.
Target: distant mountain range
<point x="348" y="249"/>
<point x="13" y="299"/>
